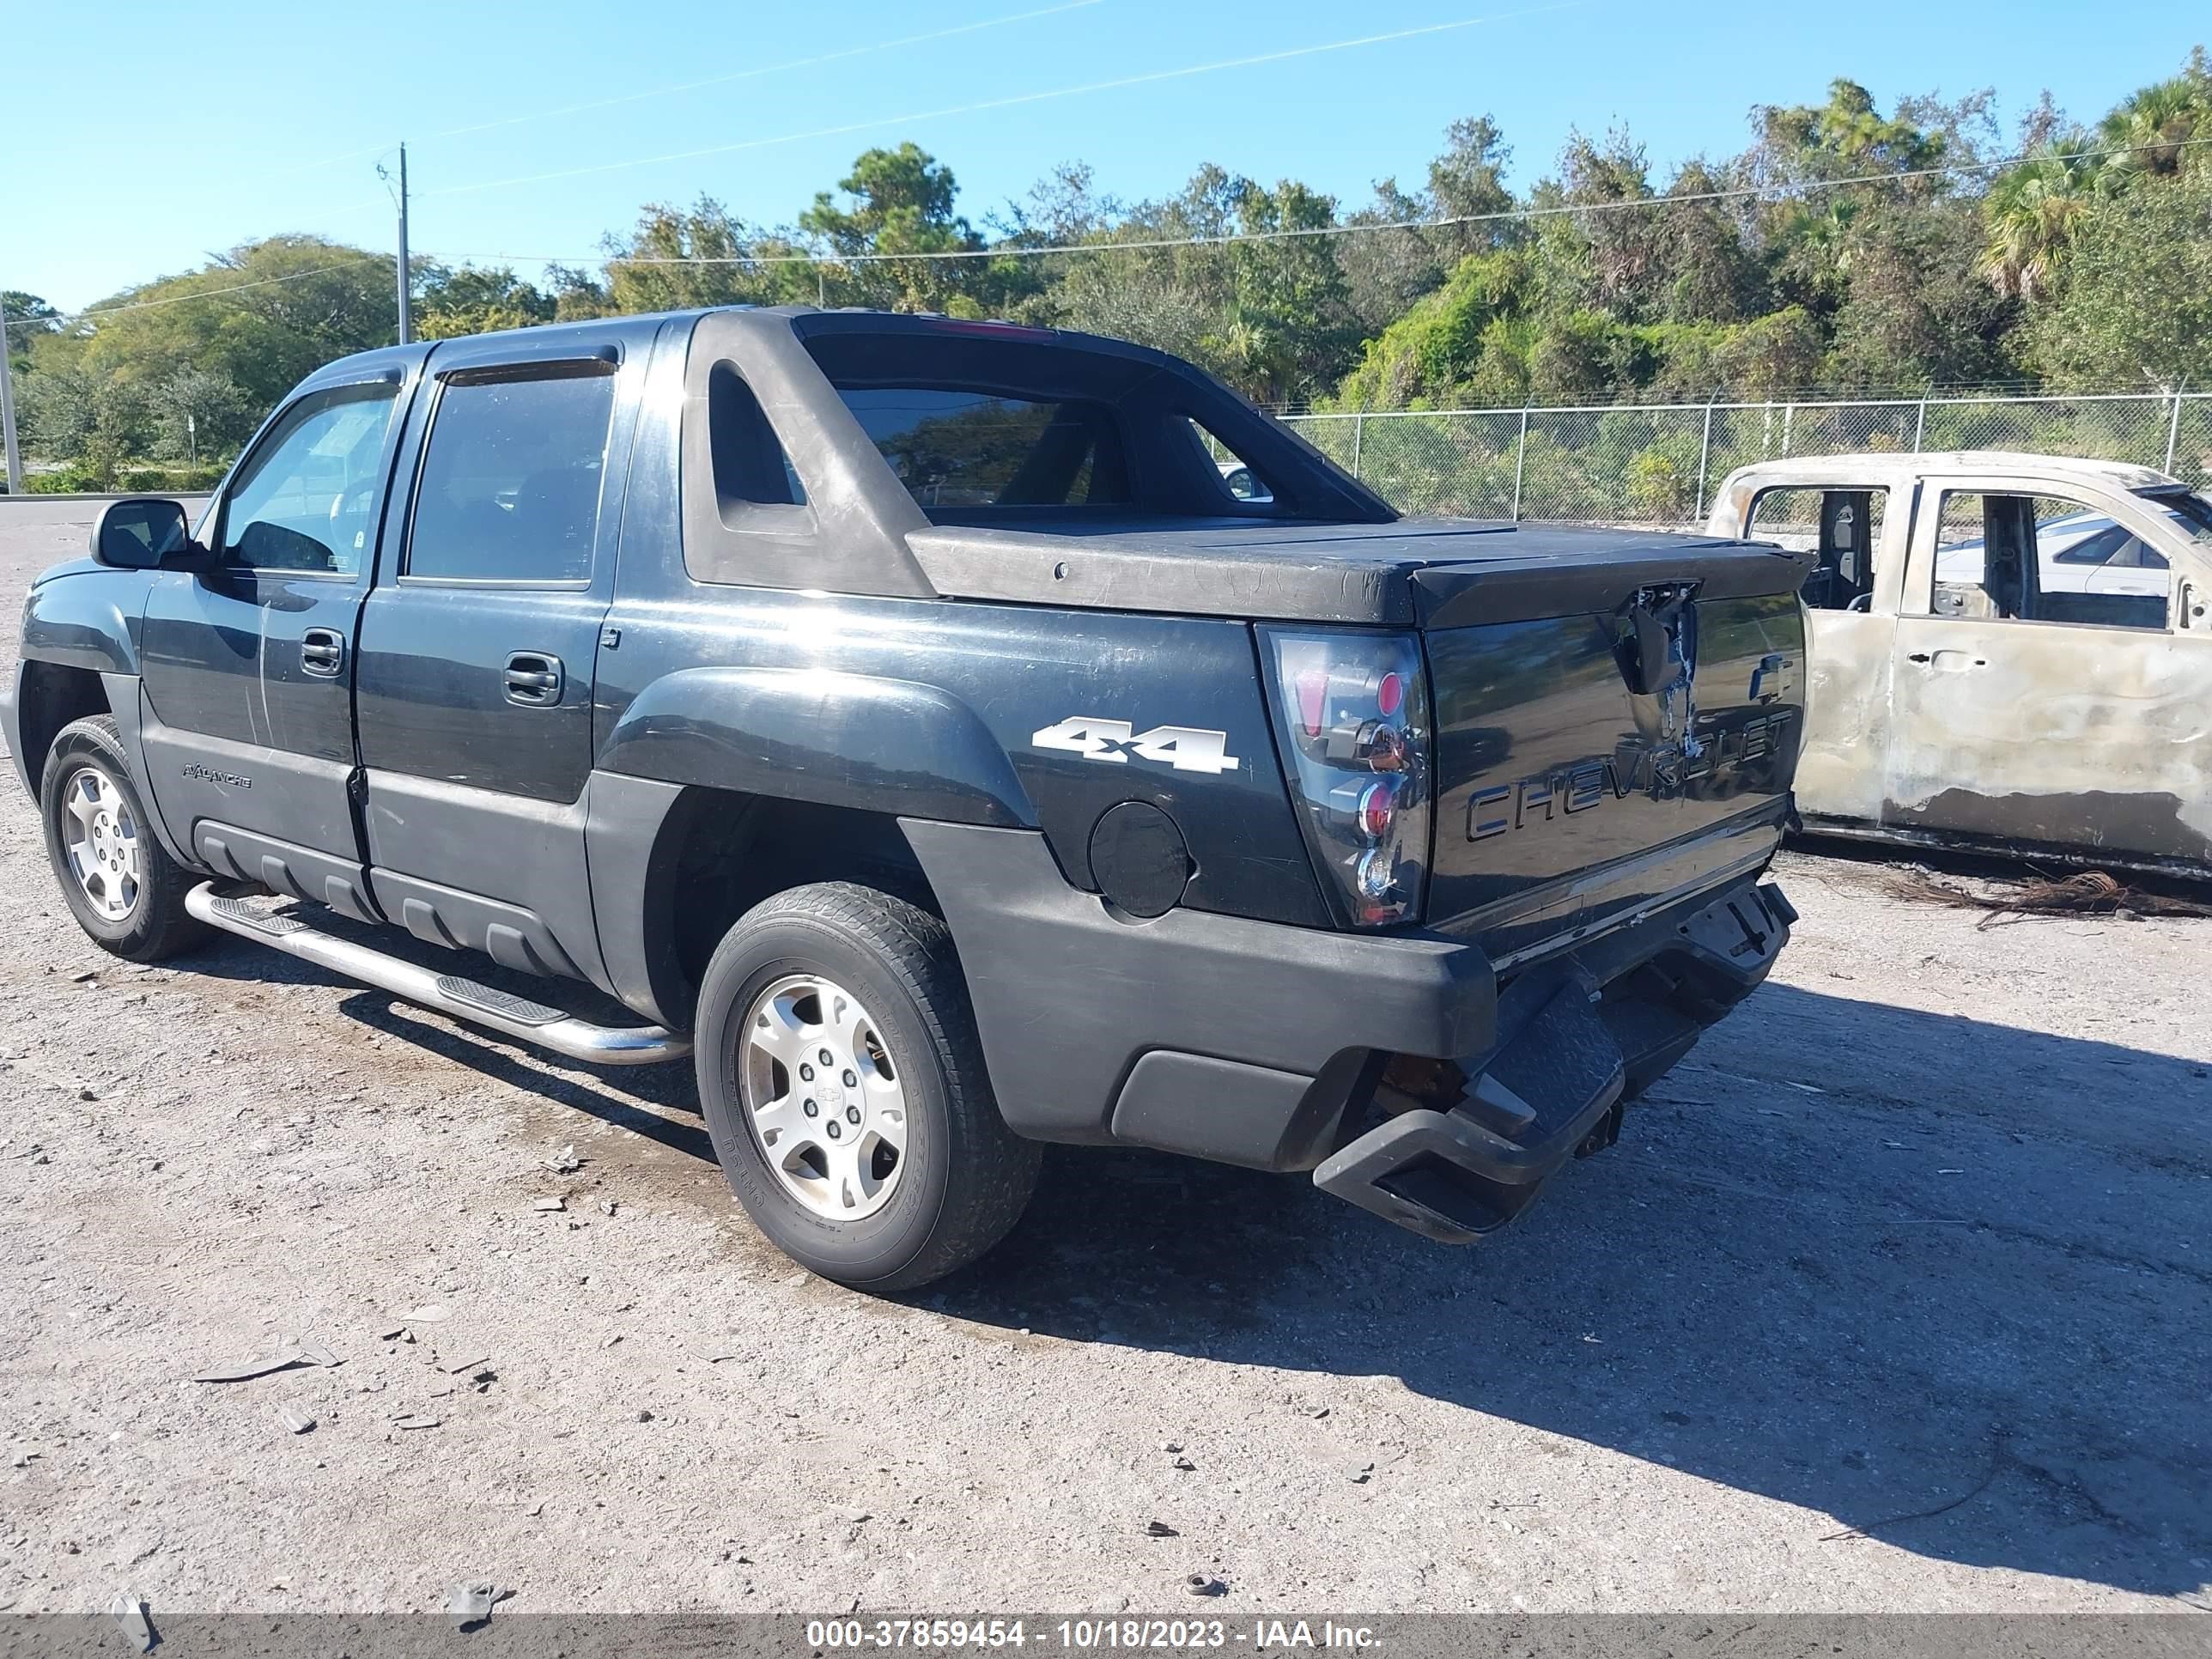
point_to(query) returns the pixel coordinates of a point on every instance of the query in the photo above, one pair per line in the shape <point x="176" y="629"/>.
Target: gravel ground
<point x="1894" y="1296"/>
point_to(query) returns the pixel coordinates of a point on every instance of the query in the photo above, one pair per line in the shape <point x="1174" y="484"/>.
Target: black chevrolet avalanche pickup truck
<point x="953" y="736"/>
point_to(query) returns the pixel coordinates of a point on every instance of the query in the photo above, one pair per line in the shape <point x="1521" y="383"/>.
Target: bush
<point x="74" y="479"/>
<point x="1663" y="480"/>
<point x="177" y="479"/>
<point x="84" y="477"/>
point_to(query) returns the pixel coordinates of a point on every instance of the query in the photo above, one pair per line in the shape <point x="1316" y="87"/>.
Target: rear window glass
<point x="957" y="448"/>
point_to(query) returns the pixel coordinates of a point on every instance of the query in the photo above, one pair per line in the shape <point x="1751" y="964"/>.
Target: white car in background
<point x="1242" y="482"/>
<point x="2077" y="553"/>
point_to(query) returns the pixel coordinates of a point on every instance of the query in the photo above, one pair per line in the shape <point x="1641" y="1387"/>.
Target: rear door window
<point x="510" y="483"/>
<point x="956" y="448"/>
<point x="1843" y="526"/>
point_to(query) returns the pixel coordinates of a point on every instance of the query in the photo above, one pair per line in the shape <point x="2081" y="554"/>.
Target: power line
<point x="1737" y="193"/>
<point x="772" y="68"/>
<point x="63" y="318"/>
<point x="1010" y="101"/>
<point x="380" y="151"/>
<point x="1005" y="251"/>
<point x="377" y="150"/>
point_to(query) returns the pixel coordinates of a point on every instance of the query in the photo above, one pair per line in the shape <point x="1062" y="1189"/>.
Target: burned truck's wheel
<point x="843" y="1085"/>
<point x="124" y="890"/>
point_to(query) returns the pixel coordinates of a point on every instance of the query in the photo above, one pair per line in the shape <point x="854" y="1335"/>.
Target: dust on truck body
<point x="2011" y="653"/>
<point x="903" y="717"/>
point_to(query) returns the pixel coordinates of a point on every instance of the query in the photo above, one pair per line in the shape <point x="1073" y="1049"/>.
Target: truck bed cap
<point x="1434" y="573"/>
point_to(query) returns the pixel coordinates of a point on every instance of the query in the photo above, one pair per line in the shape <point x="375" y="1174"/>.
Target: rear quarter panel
<point x="882" y="690"/>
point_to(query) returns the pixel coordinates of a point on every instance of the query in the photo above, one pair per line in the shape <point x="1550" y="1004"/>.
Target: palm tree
<point x="2030" y="212"/>
<point x="2156" y="125"/>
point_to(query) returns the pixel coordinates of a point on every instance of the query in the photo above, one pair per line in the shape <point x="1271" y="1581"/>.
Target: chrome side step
<point x="449" y="993"/>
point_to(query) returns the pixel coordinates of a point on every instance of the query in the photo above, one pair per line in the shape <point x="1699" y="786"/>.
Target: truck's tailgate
<point x="1566" y="798"/>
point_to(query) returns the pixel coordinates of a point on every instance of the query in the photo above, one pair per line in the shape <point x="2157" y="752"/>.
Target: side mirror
<point x="140" y="533"/>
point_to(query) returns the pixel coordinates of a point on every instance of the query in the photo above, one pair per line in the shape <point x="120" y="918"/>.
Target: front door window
<point x="303" y="502"/>
<point x="2045" y="558"/>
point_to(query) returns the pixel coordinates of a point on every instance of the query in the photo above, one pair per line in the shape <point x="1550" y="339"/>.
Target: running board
<point x="449" y="993"/>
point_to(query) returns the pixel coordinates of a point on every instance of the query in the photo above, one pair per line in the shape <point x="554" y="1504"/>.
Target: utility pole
<point x="406" y="311"/>
<point x="8" y="410"/>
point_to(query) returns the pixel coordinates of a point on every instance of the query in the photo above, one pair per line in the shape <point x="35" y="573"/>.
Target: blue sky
<point x="233" y="122"/>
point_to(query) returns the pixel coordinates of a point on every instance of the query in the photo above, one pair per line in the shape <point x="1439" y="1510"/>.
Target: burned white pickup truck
<point x="2008" y="653"/>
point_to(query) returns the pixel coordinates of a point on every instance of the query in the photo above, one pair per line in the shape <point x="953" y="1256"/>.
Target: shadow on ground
<point x="1765" y="1287"/>
<point x="1938" y="1280"/>
<point x="1904" y="862"/>
<point x="657" y="1102"/>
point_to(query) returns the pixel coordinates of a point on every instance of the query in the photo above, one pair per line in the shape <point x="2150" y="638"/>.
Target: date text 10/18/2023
<point x="1086" y="1635"/>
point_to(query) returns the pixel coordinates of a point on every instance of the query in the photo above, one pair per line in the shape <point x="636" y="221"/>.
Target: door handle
<point x="533" y="679"/>
<point x="322" y="652"/>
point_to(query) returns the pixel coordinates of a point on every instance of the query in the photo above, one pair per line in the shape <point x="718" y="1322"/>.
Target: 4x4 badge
<point x="1186" y="748"/>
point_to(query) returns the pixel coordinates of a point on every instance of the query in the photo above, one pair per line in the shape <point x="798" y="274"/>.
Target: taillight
<point x="1351" y="713"/>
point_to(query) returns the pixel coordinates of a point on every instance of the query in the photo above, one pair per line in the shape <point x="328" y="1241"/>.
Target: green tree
<point x="577" y="294"/>
<point x="98" y="420"/>
<point x="1846" y="135"/>
<point x="474" y="299"/>
<point x="2030" y="213"/>
<point x="1265" y="310"/>
<point x="26" y="316"/>
<point x="262" y="316"/>
<point x="678" y="258"/>
<point x="199" y="416"/>
<point x="2159" y="123"/>
<point x="900" y="203"/>
<point x="1386" y="271"/>
<point x="1917" y="309"/>
<point x="2134" y="301"/>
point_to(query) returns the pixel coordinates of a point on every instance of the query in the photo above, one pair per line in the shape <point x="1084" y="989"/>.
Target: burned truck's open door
<point x="1850" y="624"/>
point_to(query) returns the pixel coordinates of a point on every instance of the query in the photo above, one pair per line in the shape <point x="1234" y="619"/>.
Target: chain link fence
<point x="1659" y="464"/>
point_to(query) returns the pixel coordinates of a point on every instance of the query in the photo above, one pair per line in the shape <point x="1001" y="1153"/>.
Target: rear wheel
<point x="844" y="1088"/>
<point x="124" y="888"/>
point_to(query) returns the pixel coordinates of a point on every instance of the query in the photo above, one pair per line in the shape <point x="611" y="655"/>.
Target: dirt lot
<point x="1914" y="1246"/>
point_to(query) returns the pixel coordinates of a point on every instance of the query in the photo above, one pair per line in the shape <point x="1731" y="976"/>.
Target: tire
<point x="132" y="902"/>
<point x="845" y="970"/>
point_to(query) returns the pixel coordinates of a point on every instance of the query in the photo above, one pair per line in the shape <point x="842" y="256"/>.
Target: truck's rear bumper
<point x="1255" y="1043"/>
<point x="1467" y="1154"/>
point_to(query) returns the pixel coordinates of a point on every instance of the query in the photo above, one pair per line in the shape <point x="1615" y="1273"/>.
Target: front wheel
<point x="844" y="1089"/>
<point x="122" y="886"/>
